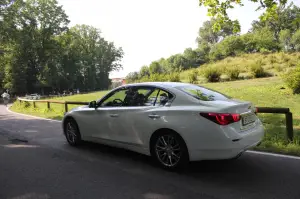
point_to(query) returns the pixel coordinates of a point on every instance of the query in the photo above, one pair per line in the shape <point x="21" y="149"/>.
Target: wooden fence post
<point x="289" y="125"/>
<point x="66" y="107"/>
<point x="34" y="105"/>
<point x="48" y="105"/>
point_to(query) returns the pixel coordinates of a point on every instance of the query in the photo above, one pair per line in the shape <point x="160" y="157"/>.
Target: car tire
<point x="169" y="150"/>
<point x="72" y="133"/>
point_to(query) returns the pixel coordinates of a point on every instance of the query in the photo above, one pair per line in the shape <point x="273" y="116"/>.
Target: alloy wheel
<point x="168" y="150"/>
<point x="71" y="133"/>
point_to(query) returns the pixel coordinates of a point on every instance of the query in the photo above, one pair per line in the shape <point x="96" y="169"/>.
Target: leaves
<point x="43" y="54"/>
<point x="218" y="10"/>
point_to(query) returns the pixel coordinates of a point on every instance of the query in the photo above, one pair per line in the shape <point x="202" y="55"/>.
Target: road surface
<point x="36" y="162"/>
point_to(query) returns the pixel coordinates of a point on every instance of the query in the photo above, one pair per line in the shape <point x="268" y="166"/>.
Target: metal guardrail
<point x="286" y="111"/>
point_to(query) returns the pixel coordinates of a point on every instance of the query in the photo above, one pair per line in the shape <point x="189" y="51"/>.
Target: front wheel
<point x="170" y="150"/>
<point x="72" y="132"/>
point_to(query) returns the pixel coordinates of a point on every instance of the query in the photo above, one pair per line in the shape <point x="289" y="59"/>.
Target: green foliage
<point x="257" y="71"/>
<point x="218" y="10"/>
<point x="296" y="40"/>
<point x="144" y="72"/>
<point x="212" y="74"/>
<point x="155" y="68"/>
<point x="192" y="76"/>
<point x="233" y="73"/>
<point x="41" y="52"/>
<point x="132" y="77"/>
<point x="174" y="77"/>
<point x="285" y="40"/>
<point x="292" y="79"/>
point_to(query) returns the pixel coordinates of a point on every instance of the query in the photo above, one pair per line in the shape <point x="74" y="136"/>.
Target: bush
<point x="257" y="71"/>
<point x="272" y="59"/>
<point x="212" y="74"/>
<point x="174" y="77"/>
<point x="192" y="76"/>
<point x="233" y="73"/>
<point x="26" y="104"/>
<point x="292" y="79"/>
<point x="278" y="68"/>
<point x="158" y="78"/>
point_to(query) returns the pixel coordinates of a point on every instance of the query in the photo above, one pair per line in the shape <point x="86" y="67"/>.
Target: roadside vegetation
<point x="262" y="92"/>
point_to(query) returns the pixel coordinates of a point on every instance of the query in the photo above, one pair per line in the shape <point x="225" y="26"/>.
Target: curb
<point x="22" y="114"/>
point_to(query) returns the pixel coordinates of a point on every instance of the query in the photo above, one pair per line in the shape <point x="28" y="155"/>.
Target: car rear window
<point x="202" y="93"/>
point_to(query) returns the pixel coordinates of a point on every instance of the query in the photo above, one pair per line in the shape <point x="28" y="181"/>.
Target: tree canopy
<point x="42" y="54"/>
<point x="219" y="10"/>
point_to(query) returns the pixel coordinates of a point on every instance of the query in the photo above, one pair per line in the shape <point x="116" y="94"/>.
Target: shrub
<point x="257" y="71"/>
<point x="174" y="77"/>
<point x="212" y="74"/>
<point x="233" y="73"/>
<point x="272" y="59"/>
<point x="292" y="79"/>
<point x="278" y="68"/>
<point x="25" y="104"/>
<point x="192" y="76"/>
<point x="158" y="78"/>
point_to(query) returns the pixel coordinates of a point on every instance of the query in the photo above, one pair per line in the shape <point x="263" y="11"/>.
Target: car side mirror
<point x="93" y="104"/>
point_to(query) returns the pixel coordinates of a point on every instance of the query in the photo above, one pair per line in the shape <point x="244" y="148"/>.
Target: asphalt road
<point x="36" y="162"/>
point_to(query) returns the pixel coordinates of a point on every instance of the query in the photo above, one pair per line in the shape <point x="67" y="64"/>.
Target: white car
<point x="173" y="122"/>
<point x="33" y="97"/>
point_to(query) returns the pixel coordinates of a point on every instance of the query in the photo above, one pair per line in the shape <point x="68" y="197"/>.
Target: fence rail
<point x="66" y="103"/>
<point x="286" y="111"/>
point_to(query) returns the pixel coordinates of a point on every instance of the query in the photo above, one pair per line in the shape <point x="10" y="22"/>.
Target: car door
<point x="108" y="115"/>
<point x="140" y="118"/>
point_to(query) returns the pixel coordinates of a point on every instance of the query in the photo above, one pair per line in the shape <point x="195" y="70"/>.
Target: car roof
<point x="160" y="84"/>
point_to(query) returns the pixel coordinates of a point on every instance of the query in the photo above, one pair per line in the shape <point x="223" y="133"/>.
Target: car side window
<point x="159" y="97"/>
<point x="137" y="96"/>
<point x="116" y="99"/>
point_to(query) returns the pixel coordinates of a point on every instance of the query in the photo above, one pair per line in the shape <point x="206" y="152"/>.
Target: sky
<point x="148" y="30"/>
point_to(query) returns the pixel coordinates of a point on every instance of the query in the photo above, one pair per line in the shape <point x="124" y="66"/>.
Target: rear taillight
<point x="222" y="118"/>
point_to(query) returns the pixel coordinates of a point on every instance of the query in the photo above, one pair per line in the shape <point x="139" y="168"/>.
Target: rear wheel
<point x="72" y="132"/>
<point x="170" y="150"/>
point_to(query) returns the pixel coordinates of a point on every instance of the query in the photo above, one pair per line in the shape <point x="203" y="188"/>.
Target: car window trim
<point x="100" y="101"/>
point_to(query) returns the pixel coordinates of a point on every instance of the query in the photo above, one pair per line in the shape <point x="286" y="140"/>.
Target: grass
<point x="56" y="110"/>
<point x="273" y="64"/>
<point x="265" y="92"/>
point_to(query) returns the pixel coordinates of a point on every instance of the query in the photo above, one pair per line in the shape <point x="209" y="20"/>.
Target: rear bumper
<point x="230" y="148"/>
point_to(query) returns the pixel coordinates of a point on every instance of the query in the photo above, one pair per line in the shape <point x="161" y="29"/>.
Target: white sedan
<point x="173" y="122"/>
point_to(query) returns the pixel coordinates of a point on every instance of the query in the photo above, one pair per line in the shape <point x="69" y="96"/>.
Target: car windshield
<point x="202" y="93"/>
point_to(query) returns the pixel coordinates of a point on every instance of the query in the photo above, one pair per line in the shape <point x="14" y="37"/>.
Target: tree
<point x="218" y="9"/>
<point x="144" y="71"/>
<point x="132" y="77"/>
<point x="191" y="56"/>
<point x="285" y="40"/>
<point x="206" y="35"/>
<point x="230" y="46"/>
<point x="42" y="53"/>
<point x="296" y="40"/>
<point x="288" y="18"/>
<point x="155" y="68"/>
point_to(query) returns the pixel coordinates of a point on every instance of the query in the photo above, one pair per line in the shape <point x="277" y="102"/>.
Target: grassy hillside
<point x="269" y="92"/>
<point x="274" y="64"/>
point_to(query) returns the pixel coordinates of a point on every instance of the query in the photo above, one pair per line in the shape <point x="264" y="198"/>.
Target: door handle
<point x="114" y="115"/>
<point x="154" y="116"/>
